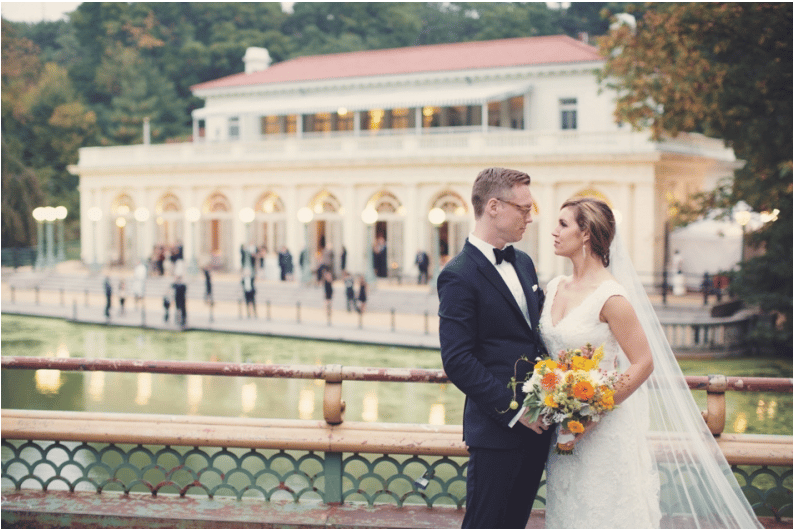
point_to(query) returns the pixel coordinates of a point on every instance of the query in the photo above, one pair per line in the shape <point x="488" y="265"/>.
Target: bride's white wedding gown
<point x="611" y="480"/>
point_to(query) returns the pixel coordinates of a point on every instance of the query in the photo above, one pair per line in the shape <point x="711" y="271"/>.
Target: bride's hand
<point x="589" y="426"/>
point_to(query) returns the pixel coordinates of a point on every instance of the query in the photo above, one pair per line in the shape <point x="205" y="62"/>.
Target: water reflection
<point x="96" y="385"/>
<point x="370" y="407"/>
<point x="144" y="389"/>
<point x="48" y="381"/>
<point x="437" y="404"/>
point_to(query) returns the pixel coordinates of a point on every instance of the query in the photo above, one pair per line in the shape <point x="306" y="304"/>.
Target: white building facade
<point x="396" y="132"/>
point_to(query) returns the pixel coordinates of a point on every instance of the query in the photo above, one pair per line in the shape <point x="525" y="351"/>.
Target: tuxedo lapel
<point x="530" y="288"/>
<point x="490" y="273"/>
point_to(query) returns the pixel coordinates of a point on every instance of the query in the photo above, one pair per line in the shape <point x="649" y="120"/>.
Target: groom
<point x="489" y="307"/>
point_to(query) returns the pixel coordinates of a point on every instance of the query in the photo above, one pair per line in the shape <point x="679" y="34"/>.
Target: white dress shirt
<point x="507" y="272"/>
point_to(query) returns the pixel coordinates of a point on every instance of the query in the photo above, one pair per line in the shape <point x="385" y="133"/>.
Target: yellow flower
<point x="548" y="363"/>
<point x="549" y="402"/>
<point x="607" y="400"/>
<point x="598" y="355"/>
<point x="575" y="427"/>
<point x="583" y="364"/>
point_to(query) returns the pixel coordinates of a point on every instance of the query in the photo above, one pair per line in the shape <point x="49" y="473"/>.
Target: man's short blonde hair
<point x="495" y="182"/>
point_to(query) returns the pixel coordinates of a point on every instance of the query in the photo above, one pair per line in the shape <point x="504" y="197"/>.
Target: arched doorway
<point x="270" y="230"/>
<point x="122" y="238"/>
<point x="215" y="234"/>
<point x="388" y="234"/>
<point x="326" y="231"/>
<point x="453" y="232"/>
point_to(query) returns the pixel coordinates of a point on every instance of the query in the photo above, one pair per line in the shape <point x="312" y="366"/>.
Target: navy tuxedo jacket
<point x="482" y="335"/>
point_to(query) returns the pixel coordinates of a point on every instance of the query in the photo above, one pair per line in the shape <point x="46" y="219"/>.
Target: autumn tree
<point x="724" y="70"/>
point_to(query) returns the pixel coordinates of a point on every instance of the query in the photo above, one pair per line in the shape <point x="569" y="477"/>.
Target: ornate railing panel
<point x="328" y="461"/>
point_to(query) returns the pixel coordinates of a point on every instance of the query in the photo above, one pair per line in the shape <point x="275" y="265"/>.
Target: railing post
<point x="298" y="312"/>
<point x="63" y="301"/>
<point x="392" y="319"/>
<point x="37" y="294"/>
<point x="268" y="310"/>
<point x="333" y="478"/>
<point x="333" y="405"/>
<point x="716" y="403"/>
<point x="86" y="297"/>
<point x="74" y="310"/>
<point x="13" y="294"/>
<point x="425" y="316"/>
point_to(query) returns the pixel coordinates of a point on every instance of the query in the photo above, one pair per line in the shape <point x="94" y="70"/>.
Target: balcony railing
<point x="343" y="146"/>
<point x="322" y="462"/>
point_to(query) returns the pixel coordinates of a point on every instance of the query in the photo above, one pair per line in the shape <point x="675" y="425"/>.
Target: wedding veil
<point x="698" y="489"/>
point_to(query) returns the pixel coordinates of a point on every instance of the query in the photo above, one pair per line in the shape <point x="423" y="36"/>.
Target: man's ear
<point x="491" y="206"/>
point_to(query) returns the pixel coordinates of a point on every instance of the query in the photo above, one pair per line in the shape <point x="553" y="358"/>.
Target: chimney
<point x="584" y="37"/>
<point x="147" y="133"/>
<point x="256" y="60"/>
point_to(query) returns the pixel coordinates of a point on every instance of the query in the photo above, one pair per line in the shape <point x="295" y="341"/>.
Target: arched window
<point x="168" y="203"/>
<point x="216" y="203"/>
<point x="325" y="202"/>
<point x="270" y="203"/>
<point x="386" y="203"/>
<point x="451" y="203"/>
<point x="123" y="206"/>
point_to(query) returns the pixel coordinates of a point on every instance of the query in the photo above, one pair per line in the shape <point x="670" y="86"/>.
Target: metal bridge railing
<point x="331" y="461"/>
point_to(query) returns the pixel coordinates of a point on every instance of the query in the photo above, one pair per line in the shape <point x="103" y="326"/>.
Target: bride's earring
<point x="584" y="250"/>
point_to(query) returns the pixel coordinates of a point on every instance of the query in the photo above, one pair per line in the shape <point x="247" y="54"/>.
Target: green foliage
<point x="725" y="70"/>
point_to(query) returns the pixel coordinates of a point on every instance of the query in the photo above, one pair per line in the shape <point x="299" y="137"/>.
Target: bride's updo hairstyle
<point x="595" y="218"/>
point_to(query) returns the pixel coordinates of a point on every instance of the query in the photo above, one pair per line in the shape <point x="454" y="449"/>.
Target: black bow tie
<point x="506" y="254"/>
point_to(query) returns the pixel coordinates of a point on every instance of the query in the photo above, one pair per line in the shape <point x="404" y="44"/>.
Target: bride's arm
<point x="626" y="327"/>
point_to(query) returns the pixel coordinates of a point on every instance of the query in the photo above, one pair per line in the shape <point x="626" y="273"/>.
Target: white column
<point x="412" y="236"/>
<point x="526" y="111"/>
<point x="643" y="235"/>
<point x="294" y="230"/>
<point x="299" y="125"/>
<point x="350" y="241"/>
<point x="418" y="120"/>
<point x="485" y="116"/>
<point x="238" y="228"/>
<point x="357" y="123"/>
<point x="548" y="217"/>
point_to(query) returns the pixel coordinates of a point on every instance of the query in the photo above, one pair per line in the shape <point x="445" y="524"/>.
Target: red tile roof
<point x="525" y="51"/>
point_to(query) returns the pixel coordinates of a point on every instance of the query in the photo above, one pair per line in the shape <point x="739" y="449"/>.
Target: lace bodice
<point x="610" y="480"/>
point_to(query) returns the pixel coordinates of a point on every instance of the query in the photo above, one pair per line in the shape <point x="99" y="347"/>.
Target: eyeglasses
<point x="525" y="210"/>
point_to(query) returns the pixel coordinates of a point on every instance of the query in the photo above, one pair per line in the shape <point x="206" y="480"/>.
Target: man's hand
<point x="537" y="426"/>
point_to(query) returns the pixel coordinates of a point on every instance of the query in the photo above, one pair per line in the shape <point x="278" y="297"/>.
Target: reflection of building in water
<point x="48" y="381"/>
<point x="96" y="385"/>
<point x="248" y="397"/>
<point x="143" y="388"/>
<point x="436" y="414"/>
<point x="397" y="132"/>
<point x="370" y="407"/>
<point x="194" y="392"/>
<point x="306" y="403"/>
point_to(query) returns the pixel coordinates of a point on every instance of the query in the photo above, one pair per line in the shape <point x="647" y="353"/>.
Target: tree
<point x="724" y="70"/>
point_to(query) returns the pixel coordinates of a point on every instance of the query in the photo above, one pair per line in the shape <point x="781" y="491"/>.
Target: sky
<point x="36" y="11"/>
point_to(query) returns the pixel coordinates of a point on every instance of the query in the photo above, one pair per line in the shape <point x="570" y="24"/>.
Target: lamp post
<point x="141" y="215"/>
<point x="60" y="216"/>
<point x="436" y="217"/>
<point x="369" y="217"/>
<point x="94" y="215"/>
<point x="192" y="215"/>
<point x="742" y="218"/>
<point x="305" y="216"/>
<point x="38" y="215"/>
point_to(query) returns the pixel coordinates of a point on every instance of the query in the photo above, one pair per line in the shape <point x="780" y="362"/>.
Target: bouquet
<point x="570" y="391"/>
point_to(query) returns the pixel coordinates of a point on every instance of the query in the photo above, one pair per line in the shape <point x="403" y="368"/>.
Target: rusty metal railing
<point x="432" y="452"/>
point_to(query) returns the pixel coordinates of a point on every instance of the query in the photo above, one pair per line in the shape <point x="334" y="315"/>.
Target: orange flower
<point x="583" y="390"/>
<point x="575" y="427"/>
<point x="549" y="381"/>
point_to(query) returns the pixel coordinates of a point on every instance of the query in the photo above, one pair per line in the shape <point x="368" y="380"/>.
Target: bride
<point x="650" y="463"/>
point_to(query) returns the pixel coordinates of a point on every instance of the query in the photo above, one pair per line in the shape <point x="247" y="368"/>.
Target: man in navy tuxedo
<point x="489" y="307"/>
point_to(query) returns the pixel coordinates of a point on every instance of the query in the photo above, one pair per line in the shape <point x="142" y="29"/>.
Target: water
<point x="768" y="413"/>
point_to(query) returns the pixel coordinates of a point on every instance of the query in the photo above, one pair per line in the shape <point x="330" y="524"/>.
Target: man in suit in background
<point x="489" y="309"/>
